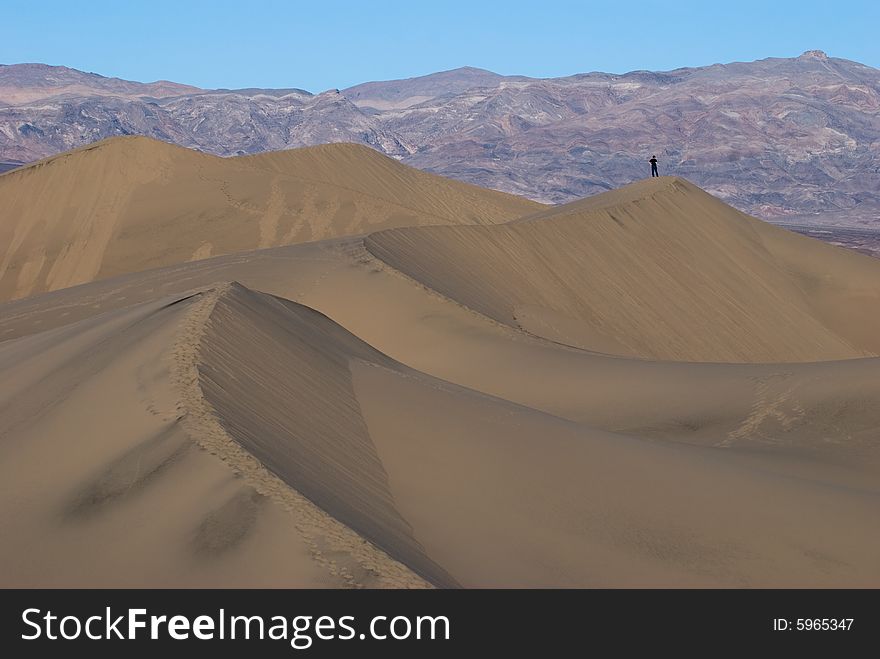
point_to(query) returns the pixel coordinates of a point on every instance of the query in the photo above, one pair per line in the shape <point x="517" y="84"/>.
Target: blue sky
<point x="326" y="44"/>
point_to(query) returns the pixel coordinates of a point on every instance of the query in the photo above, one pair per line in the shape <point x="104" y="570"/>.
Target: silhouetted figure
<point x="653" y="162"/>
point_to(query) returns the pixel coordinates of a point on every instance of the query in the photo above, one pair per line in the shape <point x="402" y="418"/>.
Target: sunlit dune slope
<point x="659" y="269"/>
<point x="359" y="169"/>
<point x="131" y="203"/>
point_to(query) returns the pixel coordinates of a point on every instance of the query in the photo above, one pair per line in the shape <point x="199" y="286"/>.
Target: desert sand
<point x="132" y="203"/>
<point x="643" y="388"/>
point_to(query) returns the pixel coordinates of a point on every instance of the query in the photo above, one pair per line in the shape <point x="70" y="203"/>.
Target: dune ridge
<point x="157" y="451"/>
<point x="658" y="270"/>
<point x="298" y="416"/>
<point x="213" y="432"/>
<point x="132" y="203"/>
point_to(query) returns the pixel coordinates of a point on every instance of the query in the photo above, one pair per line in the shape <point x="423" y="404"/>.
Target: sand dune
<point x="502" y="495"/>
<point x="543" y="402"/>
<point x="106" y="482"/>
<point x="525" y="463"/>
<point x="129" y="204"/>
<point x="287" y="438"/>
<point x="659" y="269"/>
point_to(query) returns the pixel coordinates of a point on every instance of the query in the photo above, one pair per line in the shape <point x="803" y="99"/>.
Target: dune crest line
<point x="199" y="420"/>
<point x="657" y="270"/>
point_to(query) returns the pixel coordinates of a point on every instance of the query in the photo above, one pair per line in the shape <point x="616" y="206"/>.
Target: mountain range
<point x="792" y="140"/>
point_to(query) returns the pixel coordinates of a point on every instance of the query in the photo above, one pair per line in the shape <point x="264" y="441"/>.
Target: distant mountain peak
<point x="472" y="69"/>
<point x="814" y="54"/>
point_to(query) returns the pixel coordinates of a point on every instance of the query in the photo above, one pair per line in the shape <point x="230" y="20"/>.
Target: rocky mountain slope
<point x="776" y="138"/>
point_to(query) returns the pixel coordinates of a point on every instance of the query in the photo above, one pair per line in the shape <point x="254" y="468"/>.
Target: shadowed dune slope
<point x="659" y="269"/>
<point x="131" y="203"/>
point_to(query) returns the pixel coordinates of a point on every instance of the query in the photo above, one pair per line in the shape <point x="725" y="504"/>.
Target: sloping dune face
<point x="130" y="204"/>
<point x="289" y="401"/>
<point x="501" y="495"/>
<point x="658" y="270"/>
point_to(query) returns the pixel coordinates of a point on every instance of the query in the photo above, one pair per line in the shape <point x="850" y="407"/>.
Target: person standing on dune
<point x="653" y="162"/>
